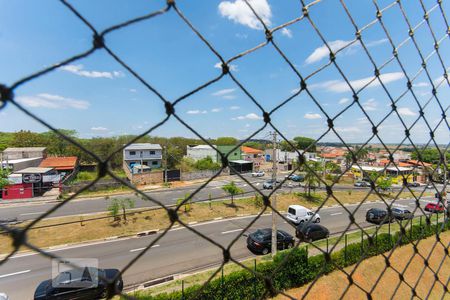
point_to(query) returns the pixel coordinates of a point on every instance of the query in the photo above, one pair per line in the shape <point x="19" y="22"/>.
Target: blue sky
<point x="97" y="97"/>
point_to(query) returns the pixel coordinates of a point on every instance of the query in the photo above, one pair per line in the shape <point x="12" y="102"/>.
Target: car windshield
<point x="291" y="211"/>
<point x="259" y="235"/>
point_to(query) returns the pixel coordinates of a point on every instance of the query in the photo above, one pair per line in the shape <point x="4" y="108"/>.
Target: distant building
<point x="233" y="154"/>
<point x="24" y="152"/>
<point x="197" y="152"/>
<point x="254" y="155"/>
<point x="143" y="154"/>
<point x="41" y="179"/>
<point x="64" y="165"/>
<point x="16" y="159"/>
<point x="287" y="156"/>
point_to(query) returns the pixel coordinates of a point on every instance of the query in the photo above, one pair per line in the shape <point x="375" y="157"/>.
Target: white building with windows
<point x="198" y="152"/>
<point x="142" y="157"/>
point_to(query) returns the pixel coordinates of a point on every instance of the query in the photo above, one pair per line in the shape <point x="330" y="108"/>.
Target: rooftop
<point x="19" y="160"/>
<point x="202" y="147"/>
<point x="60" y="163"/>
<point x="36" y="170"/>
<point x="250" y="150"/>
<point x="24" y="149"/>
<point x="143" y="146"/>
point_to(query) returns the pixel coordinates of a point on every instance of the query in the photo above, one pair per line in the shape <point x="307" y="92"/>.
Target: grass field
<point x="333" y="285"/>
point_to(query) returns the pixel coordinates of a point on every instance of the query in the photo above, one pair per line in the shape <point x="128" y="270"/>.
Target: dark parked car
<point x="260" y="241"/>
<point x="435" y="207"/>
<point x="311" y="232"/>
<point x="402" y="214"/>
<point x="378" y="216"/>
<point x="362" y="184"/>
<point x="413" y="184"/>
<point x="80" y="284"/>
<point x="296" y="178"/>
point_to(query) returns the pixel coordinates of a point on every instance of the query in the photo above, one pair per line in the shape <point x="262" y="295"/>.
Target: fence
<point x="268" y="280"/>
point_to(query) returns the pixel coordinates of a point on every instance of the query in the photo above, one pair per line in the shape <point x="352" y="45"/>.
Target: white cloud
<point x="239" y="12"/>
<point x="52" y="101"/>
<point x="322" y="51"/>
<point x="406" y="111"/>
<point x="232" y="67"/>
<point x="250" y="116"/>
<point x="286" y="32"/>
<point x="99" y="128"/>
<point x="339" y="86"/>
<point x="370" y="105"/>
<point x="350" y="129"/>
<point x="229" y="97"/>
<point x="312" y="116"/>
<point x="235" y="107"/>
<point x="196" y="112"/>
<point x="247" y="125"/>
<point x="344" y="100"/>
<point x="223" y="92"/>
<point x="241" y="35"/>
<point x="78" y="70"/>
<point x="216" y="109"/>
<point x="133" y="90"/>
<point x="377" y="42"/>
<point x="421" y="84"/>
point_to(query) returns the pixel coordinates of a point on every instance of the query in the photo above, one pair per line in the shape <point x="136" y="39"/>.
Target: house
<point x="41" y="179"/>
<point x="144" y="154"/>
<point x="287" y="156"/>
<point x="24" y="152"/>
<point x="233" y="154"/>
<point x="64" y="165"/>
<point x="16" y="159"/>
<point x="197" y="152"/>
<point x="396" y="173"/>
<point x="254" y="155"/>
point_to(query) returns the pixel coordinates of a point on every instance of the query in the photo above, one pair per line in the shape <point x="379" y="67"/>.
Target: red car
<point x="434" y="207"/>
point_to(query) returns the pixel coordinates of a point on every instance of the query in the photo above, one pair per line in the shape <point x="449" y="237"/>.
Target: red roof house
<point x="68" y="163"/>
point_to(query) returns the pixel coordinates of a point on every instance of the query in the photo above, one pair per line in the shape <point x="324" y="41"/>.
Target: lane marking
<point x="15" y="273"/>
<point x="335" y="214"/>
<point x="140" y="249"/>
<point x="230" y="231"/>
<point x="34" y="213"/>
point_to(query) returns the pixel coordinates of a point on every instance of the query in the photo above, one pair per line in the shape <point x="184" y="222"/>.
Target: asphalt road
<point x="28" y="211"/>
<point x="180" y="251"/>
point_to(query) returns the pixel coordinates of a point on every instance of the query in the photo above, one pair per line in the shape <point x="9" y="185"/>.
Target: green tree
<point x="226" y="140"/>
<point x="232" y="190"/>
<point x="118" y="204"/>
<point x="26" y="138"/>
<point x="361" y="153"/>
<point x="285" y="146"/>
<point x="206" y="164"/>
<point x="304" y="143"/>
<point x="332" y="167"/>
<point x="57" y="145"/>
<point x="187" y="204"/>
<point x="310" y="177"/>
<point x="429" y="155"/>
<point x="384" y="183"/>
<point x="3" y="179"/>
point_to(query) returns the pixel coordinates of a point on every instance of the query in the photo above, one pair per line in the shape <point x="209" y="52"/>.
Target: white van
<point x="298" y="214"/>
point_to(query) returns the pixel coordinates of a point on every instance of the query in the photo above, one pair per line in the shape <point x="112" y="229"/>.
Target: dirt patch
<point x="335" y="284"/>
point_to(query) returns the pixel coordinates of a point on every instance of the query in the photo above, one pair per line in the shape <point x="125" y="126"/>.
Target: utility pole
<point x="274" y="196"/>
<point x="165" y="164"/>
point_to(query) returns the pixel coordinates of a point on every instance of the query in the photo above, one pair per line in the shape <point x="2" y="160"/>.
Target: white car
<point x="3" y="296"/>
<point x="258" y="174"/>
<point x="298" y="214"/>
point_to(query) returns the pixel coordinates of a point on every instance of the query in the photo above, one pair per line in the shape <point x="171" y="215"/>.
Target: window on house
<point x="132" y="152"/>
<point x="152" y="152"/>
<point x="154" y="163"/>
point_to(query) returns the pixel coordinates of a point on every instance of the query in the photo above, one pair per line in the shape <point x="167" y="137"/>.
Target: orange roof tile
<point x="419" y="163"/>
<point x="250" y="150"/>
<point x="60" y="163"/>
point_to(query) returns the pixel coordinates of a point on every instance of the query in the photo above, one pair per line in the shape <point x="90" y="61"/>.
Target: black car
<point x="85" y="283"/>
<point x="311" y="232"/>
<point x="413" y="184"/>
<point x="378" y="216"/>
<point x="260" y="241"/>
<point x="402" y="214"/>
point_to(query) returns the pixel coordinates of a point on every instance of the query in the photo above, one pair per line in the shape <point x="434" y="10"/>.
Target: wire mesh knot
<point x="387" y="262"/>
<point x="173" y="215"/>
<point x="19" y="237"/>
<point x="5" y="95"/>
<point x="102" y="169"/>
<point x="330" y="123"/>
<point x="98" y="41"/>
<point x="351" y="218"/>
<point x="374" y="130"/>
<point x="170" y="109"/>
<point x="269" y="36"/>
<point x="266" y="200"/>
<point x="225" y="161"/>
<point x="329" y="190"/>
<point x="225" y="69"/>
<point x="226" y="255"/>
<point x="269" y="286"/>
<point x="266" y="117"/>
<point x="170" y="3"/>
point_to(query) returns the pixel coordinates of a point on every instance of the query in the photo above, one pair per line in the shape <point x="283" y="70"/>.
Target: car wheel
<point x="317" y="220"/>
<point x="265" y="251"/>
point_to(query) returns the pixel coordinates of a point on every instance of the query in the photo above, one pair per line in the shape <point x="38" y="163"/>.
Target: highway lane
<point x="31" y="211"/>
<point x="179" y="251"/>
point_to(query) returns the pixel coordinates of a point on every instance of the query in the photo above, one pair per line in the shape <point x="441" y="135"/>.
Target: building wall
<point x="26" y="164"/>
<point x="185" y="176"/>
<point x="23" y="154"/>
<point x="154" y="177"/>
<point x="144" y="154"/>
<point x="17" y="191"/>
<point x="201" y="153"/>
<point x="235" y="155"/>
<point x="148" y="162"/>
